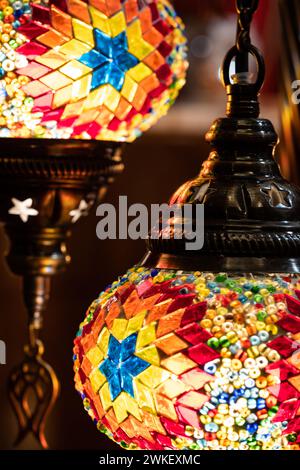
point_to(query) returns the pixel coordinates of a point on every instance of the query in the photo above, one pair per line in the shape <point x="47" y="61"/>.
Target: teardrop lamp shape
<point x="201" y="349"/>
<point x="95" y="69"/>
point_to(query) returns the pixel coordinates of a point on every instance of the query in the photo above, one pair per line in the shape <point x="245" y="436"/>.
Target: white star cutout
<point x="23" y="209"/>
<point x="81" y="211"/>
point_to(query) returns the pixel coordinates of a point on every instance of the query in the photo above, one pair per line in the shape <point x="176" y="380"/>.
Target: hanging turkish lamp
<point x="101" y="69"/>
<point x="201" y="349"/>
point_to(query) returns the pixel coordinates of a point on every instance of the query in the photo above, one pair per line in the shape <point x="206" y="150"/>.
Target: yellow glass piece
<point x="103" y="340"/>
<point x="73" y="109"/>
<point x="144" y="396"/>
<point x="140" y="72"/>
<point x="52" y="59"/>
<point x="136" y="44"/>
<point x="62" y="96"/>
<point x="125" y="404"/>
<point x="97" y="379"/>
<point x="112" y="98"/>
<point x="146" y="336"/>
<point x="99" y="20"/>
<point x="95" y="355"/>
<point x="178" y="364"/>
<point x="149" y="354"/>
<point x="117" y="24"/>
<point x="135" y="323"/>
<point x="75" y="69"/>
<point x="173" y="388"/>
<point x="153" y="376"/>
<point x="74" y="48"/>
<point x="55" y="80"/>
<point x="96" y="97"/>
<point x="87" y="117"/>
<point x="129" y="88"/>
<point x="105" y="396"/>
<point x="119" y="327"/>
<point x="83" y="32"/>
<point x="165" y="407"/>
<point x="81" y="87"/>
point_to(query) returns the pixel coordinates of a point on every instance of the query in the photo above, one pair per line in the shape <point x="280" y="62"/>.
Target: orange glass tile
<point x="165" y="407"/>
<point x="178" y="364"/>
<point x="100" y="5"/>
<point x="192" y="399"/>
<point x="113" y="423"/>
<point x="75" y="69"/>
<point x="123" y="109"/>
<point x="170" y="344"/>
<point x="113" y="6"/>
<point x="296" y="337"/>
<point x="35" y="88"/>
<point x="86" y="117"/>
<point x="61" y="21"/>
<point x="52" y="59"/>
<point x="131" y="10"/>
<point x="52" y="38"/>
<point x="98" y="406"/>
<point x="295" y="359"/>
<point x="132" y="305"/>
<point x="105" y="116"/>
<point x="81" y="87"/>
<point x="128" y="427"/>
<point x="79" y="9"/>
<point x="150" y="83"/>
<point x="113" y="312"/>
<point x="62" y="96"/>
<point x="169" y="322"/>
<point x="139" y="99"/>
<point x="153" y="37"/>
<point x="88" y="342"/>
<point x="145" y="18"/>
<point x="154" y="60"/>
<point x="158" y="311"/>
<point x="55" y="80"/>
<point x="141" y="429"/>
<point x="99" y="322"/>
<point x="295" y="382"/>
<point x="86" y="366"/>
<point x="72" y="110"/>
<point x="153" y="423"/>
<point x="196" y="378"/>
<point x="172" y="388"/>
<point x="150" y="302"/>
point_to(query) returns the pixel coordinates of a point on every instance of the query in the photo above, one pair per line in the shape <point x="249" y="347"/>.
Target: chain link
<point x="246" y="10"/>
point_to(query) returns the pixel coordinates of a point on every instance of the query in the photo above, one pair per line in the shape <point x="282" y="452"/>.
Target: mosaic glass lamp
<point x="201" y="349"/>
<point x="77" y="80"/>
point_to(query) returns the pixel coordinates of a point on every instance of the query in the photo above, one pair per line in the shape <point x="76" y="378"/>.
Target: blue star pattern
<point x="110" y="60"/>
<point x="121" y="365"/>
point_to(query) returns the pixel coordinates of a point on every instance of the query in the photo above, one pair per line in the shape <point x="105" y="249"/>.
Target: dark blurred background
<point x="154" y="167"/>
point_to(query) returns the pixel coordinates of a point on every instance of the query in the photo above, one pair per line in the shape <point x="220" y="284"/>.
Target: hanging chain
<point x="245" y="10"/>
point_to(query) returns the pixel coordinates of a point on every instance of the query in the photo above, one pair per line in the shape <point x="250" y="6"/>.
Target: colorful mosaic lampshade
<point x="95" y="69"/>
<point x="188" y="360"/>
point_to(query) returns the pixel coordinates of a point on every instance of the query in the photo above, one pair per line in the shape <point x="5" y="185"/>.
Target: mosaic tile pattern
<point x="94" y="69"/>
<point x="174" y="360"/>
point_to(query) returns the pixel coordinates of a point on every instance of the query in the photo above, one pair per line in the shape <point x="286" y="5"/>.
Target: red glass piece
<point x="154" y="12"/>
<point x="284" y="391"/>
<point x="297" y="292"/>
<point x="293" y="427"/>
<point x="67" y="122"/>
<point x="194" y="313"/>
<point x="145" y="287"/>
<point x="293" y="305"/>
<point x="32" y="49"/>
<point x="43" y="103"/>
<point x="175" y="429"/>
<point x="40" y="13"/>
<point x="53" y="115"/>
<point x="123" y="294"/>
<point x="181" y="301"/>
<point x="287" y="411"/>
<point x="188" y="416"/>
<point x="32" y="30"/>
<point x="164" y="49"/>
<point x="61" y="4"/>
<point x="164" y="73"/>
<point x="278" y="298"/>
<point x="202" y="354"/>
<point x="164" y="441"/>
<point x="82" y="376"/>
<point x="290" y="323"/>
<point x="193" y="333"/>
<point x="158" y="91"/>
<point x="163" y="27"/>
<point x="285" y="346"/>
<point x="94" y="130"/>
<point x="282" y="369"/>
<point x="114" y="124"/>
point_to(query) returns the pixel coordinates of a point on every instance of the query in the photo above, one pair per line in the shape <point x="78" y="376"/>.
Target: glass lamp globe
<point x="96" y="69"/>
